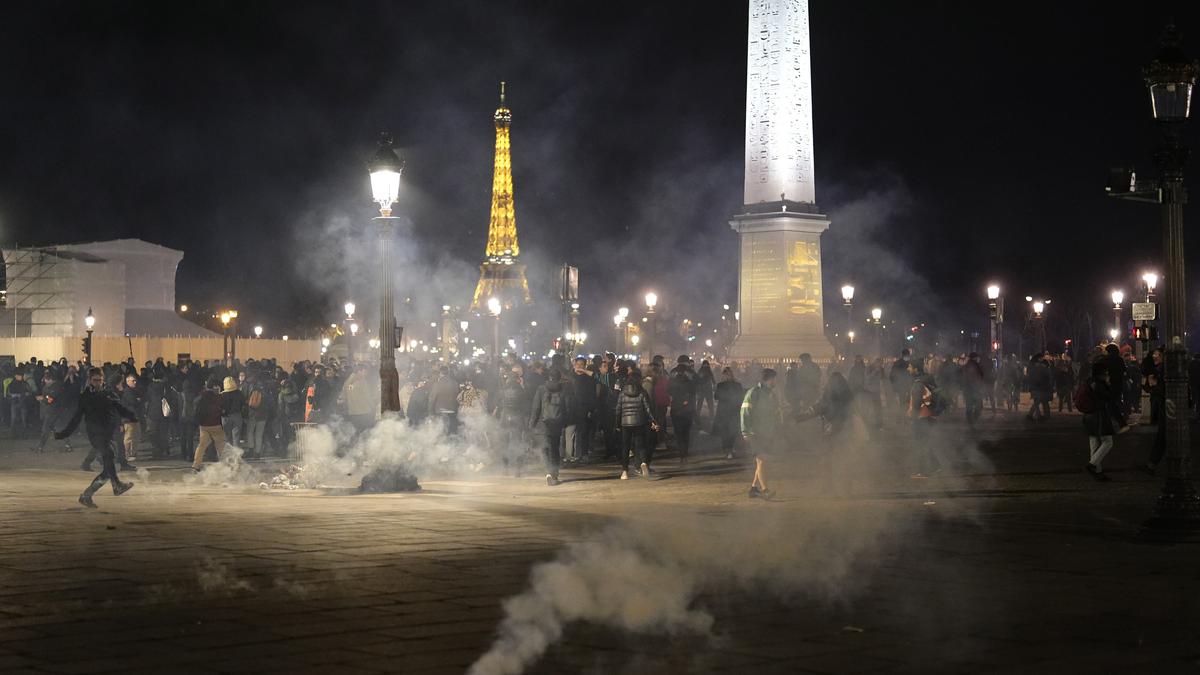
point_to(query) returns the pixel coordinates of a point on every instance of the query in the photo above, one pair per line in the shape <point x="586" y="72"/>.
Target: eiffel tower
<point x="501" y="276"/>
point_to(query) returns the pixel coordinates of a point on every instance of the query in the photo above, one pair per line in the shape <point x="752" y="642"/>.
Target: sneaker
<point x="551" y="480"/>
<point x="1101" y="476"/>
<point x="645" y="471"/>
<point x="86" y="500"/>
<point x="126" y="466"/>
<point x="121" y="488"/>
<point x="194" y="469"/>
<point x="624" y="475"/>
<point x="1090" y="468"/>
<point x="767" y="494"/>
<point x="85" y="467"/>
<point x="755" y="493"/>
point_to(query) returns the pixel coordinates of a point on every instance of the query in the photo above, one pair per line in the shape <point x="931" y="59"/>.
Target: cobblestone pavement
<point x="1015" y="561"/>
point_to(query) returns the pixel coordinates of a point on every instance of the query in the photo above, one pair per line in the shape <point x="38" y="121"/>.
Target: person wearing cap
<point x="761" y="420"/>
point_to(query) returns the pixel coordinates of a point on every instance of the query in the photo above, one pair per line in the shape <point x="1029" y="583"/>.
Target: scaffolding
<point x="40" y="288"/>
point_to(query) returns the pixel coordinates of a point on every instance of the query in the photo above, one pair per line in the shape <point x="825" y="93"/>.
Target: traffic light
<point x="1145" y="333"/>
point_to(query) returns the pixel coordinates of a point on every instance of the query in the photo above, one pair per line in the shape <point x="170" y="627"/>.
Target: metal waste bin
<point x="298" y="449"/>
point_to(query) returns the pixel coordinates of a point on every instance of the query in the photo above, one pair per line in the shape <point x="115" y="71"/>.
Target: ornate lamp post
<point x="877" y="320"/>
<point x="651" y="323"/>
<point x="494" y="308"/>
<point x="89" y="322"/>
<point x="385" y="168"/>
<point x="1117" y="297"/>
<point x="258" y="331"/>
<point x="1170" y="79"/>
<point x="996" y="320"/>
<point x="1039" y="318"/>
<point x="227" y="318"/>
<point x="848" y="303"/>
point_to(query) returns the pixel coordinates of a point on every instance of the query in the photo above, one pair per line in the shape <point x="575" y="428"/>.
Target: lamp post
<point x="227" y="317"/>
<point x="1039" y="318"/>
<point x="258" y="331"/>
<point x="494" y="308"/>
<point x="651" y="323"/>
<point x="1170" y="79"/>
<point x="385" y="168"/>
<point x="1117" y="297"/>
<point x="89" y="322"/>
<point x="877" y="319"/>
<point x="848" y="303"/>
<point x="996" y="321"/>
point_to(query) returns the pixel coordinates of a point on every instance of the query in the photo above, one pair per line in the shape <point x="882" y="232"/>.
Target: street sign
<point x="1145" y="311"/>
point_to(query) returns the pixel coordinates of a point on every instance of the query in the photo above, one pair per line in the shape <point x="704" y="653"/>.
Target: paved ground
<point x="1012" y="561"/>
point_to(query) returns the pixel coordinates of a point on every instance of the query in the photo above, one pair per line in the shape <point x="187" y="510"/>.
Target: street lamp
<point x="877" y="319"/>
<point x="1150" y="279"/>
<point x="1170" y="79"/>
<point x="1039" y="310"/>
<point x="651" y="322"/>
<point x="495" y="308"/>
<point x="1117" y="297"/>
<point x="89" y="322"/>
<point x="349" y="307"/>
<point x="848" y="303"/>
<point x="1113" y="333"/>
<point x="227" y="318"/>
<point x="385" y="169"/>
<point x="258" y="331"/>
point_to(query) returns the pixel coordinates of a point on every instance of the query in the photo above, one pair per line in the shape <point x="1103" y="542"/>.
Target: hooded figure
<point x="552" y="410"/>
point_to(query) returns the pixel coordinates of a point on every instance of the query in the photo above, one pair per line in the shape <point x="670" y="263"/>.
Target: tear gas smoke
<point x="646" y="576"/>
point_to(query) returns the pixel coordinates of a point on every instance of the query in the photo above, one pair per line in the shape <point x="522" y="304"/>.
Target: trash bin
<point x="301" y="432"/>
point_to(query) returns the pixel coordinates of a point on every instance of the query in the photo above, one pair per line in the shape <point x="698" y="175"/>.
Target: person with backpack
<point x="924" y="407"/>
<point x="257" y="413"/>
<point x="551" y="411"/>
<point x="634" y="415"/>
<point x="1104" y="420"/>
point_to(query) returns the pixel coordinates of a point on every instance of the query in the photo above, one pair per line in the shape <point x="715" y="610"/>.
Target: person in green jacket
<point x="761" y="421"/>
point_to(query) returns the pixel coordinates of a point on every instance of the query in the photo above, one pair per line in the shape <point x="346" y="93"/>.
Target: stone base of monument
<point x="771" y="350"/>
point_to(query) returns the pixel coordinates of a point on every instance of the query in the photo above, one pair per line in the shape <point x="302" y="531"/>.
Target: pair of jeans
<point x="102" y="446"/>
<point x="634" y="438"/>
<point x="20" y="415"/>
<point x="233" y="427"/>
<point x="683" y="434"/>
<point x="1099" y="447"/>
<point x="254" y="436"/>
<point x="49" y="422"/>
<point x="215" y="435"/>
<point x="552" y="450"/>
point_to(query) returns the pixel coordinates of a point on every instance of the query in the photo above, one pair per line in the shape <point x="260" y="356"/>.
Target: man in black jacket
<point x="100" y="410"/>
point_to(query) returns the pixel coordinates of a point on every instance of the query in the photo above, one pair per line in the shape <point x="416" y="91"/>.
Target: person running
<point x="100" y="410"/>
<point x="634" y="414"/>
<point x="760" y="423"/>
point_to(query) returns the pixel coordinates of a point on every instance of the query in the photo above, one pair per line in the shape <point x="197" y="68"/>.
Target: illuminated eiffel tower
<point x="500" y="275"/>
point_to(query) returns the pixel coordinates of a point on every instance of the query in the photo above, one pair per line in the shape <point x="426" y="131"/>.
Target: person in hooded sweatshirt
<point x="99" y="410"/>
<point x="633" y="415"/>
<point x="552" y="410"/>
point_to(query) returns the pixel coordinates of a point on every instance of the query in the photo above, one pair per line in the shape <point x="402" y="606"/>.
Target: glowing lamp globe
<point x="1151" y="280"/>
<point x="493" y="305"/>
<point x="89" y="320"/>
<point x="1118" y="297"/>
<point x="258" y="331"/>
<point x="354" y="329"/>
<point x="349" y="307"/>
<point x="1039" y="307"/>
<point x="385" y="168"/>
<point x="876" y="314"/>
<point x="993" y="292"/>
<point x="847" y="293"/>
<point x="651" y="300"/>
<point x="635" y="340"/>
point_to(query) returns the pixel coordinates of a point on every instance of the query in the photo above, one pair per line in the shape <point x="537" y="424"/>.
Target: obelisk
<point x="779" y="230"/>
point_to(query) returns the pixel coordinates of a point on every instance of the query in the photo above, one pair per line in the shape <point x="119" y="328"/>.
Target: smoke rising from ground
<point x="647" y="575"/>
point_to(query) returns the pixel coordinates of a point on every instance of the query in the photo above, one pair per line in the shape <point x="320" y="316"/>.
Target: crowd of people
<point x="587" y="410"/>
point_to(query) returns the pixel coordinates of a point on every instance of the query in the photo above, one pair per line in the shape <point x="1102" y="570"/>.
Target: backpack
<point x="1084" y="398"/>
<point x="937" y="402"/>
<point x="256" y="398"/>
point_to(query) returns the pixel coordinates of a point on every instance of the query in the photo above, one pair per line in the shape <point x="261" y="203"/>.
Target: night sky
<point x="956" y="144"/>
